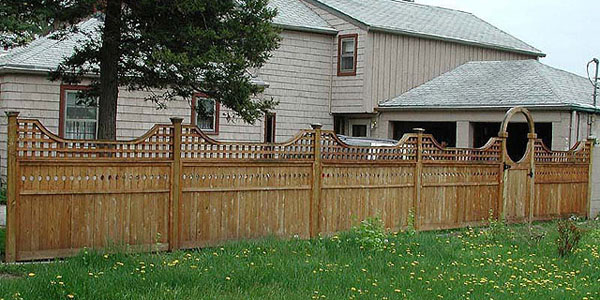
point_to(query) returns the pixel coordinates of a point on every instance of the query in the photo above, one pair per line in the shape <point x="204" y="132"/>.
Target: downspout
<point x="331" y="69"/>
<point x="571" y="126"/>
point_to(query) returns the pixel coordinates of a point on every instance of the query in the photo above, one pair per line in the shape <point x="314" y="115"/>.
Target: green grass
<point x="465" y="264"/>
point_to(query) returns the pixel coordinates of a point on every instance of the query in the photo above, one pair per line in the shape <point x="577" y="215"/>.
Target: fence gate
<point x="519" y="176"/>
<point x="176" y="188"/>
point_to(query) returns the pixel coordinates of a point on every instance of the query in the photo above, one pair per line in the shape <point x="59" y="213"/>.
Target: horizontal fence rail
<point x="176" y="188"/>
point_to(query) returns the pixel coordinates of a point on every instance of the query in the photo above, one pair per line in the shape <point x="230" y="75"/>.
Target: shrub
<point x="569" y="236"/>
<point x="369" y="235"/>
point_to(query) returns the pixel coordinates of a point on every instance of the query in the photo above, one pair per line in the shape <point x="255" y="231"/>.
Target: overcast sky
<point x="563" y="29"/>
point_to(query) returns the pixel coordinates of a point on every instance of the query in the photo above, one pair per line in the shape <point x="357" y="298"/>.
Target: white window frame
<point x="65" y="118"/>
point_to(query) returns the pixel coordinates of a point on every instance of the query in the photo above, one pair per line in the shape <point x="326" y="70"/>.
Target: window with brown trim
<point x="270" y="124"/>
<point x="77" y="118"/>
<point x="347" y="54"/>
<point x="205" y="113"/>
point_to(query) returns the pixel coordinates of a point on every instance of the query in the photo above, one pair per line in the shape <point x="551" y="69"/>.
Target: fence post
<point x="591" y="144"/>
<point x="315" y="200"/>
<point x="503" y="176"/>
<point x="531" y="139"/>
<point x="418" y="179"/>
<point x="11" y="188"/>
<point x="175" y="185"/>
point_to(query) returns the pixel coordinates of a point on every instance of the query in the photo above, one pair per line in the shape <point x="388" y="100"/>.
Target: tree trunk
<point x="109" y="77"/>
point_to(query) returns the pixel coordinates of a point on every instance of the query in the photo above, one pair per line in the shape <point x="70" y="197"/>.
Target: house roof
<point x="499" y="84"/>
<point x="427" y="21"/>
<point x="45" y="54"/>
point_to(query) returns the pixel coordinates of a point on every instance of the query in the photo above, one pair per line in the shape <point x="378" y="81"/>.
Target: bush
<point x="3" y="196"/>
<point x="569" y="236"/>
<point x="368" y="235"/>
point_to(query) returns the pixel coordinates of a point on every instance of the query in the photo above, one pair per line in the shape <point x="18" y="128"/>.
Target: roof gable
<point x="294" y="14"/>
<point x="499" y="84"/>
<point x="428" y="21"/>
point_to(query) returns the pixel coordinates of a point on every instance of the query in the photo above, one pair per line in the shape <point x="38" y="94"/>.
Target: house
<point x="347" y="64"/>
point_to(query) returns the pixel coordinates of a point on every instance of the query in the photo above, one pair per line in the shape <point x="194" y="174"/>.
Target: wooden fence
<point x="176" y="188"/>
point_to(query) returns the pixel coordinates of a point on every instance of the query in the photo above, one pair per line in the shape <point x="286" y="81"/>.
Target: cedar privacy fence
<point x="175" y="188"/>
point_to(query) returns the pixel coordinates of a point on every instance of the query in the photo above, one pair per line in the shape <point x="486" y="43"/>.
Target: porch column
<point x="464" y="134"/>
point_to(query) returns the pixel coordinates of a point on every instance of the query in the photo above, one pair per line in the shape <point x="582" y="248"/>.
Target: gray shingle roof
<point x="45" y="53"/>
<point x="296" y="15"/>
<point x="429" y="21"/>
<point x="499" y="84"/>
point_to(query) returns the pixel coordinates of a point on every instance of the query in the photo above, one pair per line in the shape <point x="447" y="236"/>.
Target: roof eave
<point x="454" y="40"/>
<point x="321" y="30"/>
<point x="32" y="70"/>
<point x="570" y="107"/>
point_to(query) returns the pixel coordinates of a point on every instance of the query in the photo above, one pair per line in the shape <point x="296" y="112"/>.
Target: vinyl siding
<point x="348" y="92"/>
<point x="400" y="63"/>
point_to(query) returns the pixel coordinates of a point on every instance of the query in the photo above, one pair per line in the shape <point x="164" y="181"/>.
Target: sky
<point x="568" y="31"/>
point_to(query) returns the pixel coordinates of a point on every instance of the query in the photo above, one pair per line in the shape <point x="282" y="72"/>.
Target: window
<point x="78" y="120"/>
<point x="205" y="113"/>
<point x="270" y="128"/>
<point x="347" y="56"/>
<point x="359" y="130"/>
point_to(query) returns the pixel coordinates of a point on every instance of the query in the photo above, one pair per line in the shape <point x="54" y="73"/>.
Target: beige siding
<point x="299" y="77"/>
<point x="400" y="63"/>
<point x="348" y="92"/>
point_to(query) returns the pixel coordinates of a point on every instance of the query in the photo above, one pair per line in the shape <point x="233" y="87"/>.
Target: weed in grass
<point x="410" y="227"/>
<point x="569" y="236"/>
<point x="497" y="229"/>
<point x="369" y="235"/>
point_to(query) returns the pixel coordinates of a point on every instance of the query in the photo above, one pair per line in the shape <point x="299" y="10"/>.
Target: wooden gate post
<point x="531" y="144"/>
<point x="315" y="199"/>
<point x="11" y="188"/>
<point x="503" y="176"/>
<point x="174" y="208"/>
<point x="418" y="179"/>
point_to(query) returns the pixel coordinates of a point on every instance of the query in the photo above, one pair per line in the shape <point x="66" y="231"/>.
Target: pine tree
<point x="170" y="48"/>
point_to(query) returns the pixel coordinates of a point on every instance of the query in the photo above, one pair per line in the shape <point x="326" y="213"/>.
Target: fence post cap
<point x="12" y="113"/>
<point x="176" y="120"/>
<point x="316" y="126"/>
<point x="418" y="130"/>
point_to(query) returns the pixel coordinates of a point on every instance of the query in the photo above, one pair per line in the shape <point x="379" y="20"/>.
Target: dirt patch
<point x="8" y="276"/>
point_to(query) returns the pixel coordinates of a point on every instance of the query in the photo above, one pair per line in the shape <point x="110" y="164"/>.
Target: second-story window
<point x="205" y="114"/>
<point x="347" y="54"/>
<point x="78" y="119"/>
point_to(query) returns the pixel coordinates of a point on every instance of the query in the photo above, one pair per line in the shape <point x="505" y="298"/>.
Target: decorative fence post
<point x="175" y="185"/>
<point x="418" y="179"/>
<point x="11" y="189"/>
<point x="315" y="200"/>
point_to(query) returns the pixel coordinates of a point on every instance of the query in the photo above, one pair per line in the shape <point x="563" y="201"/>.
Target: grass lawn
<point x="465" y="264"/>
